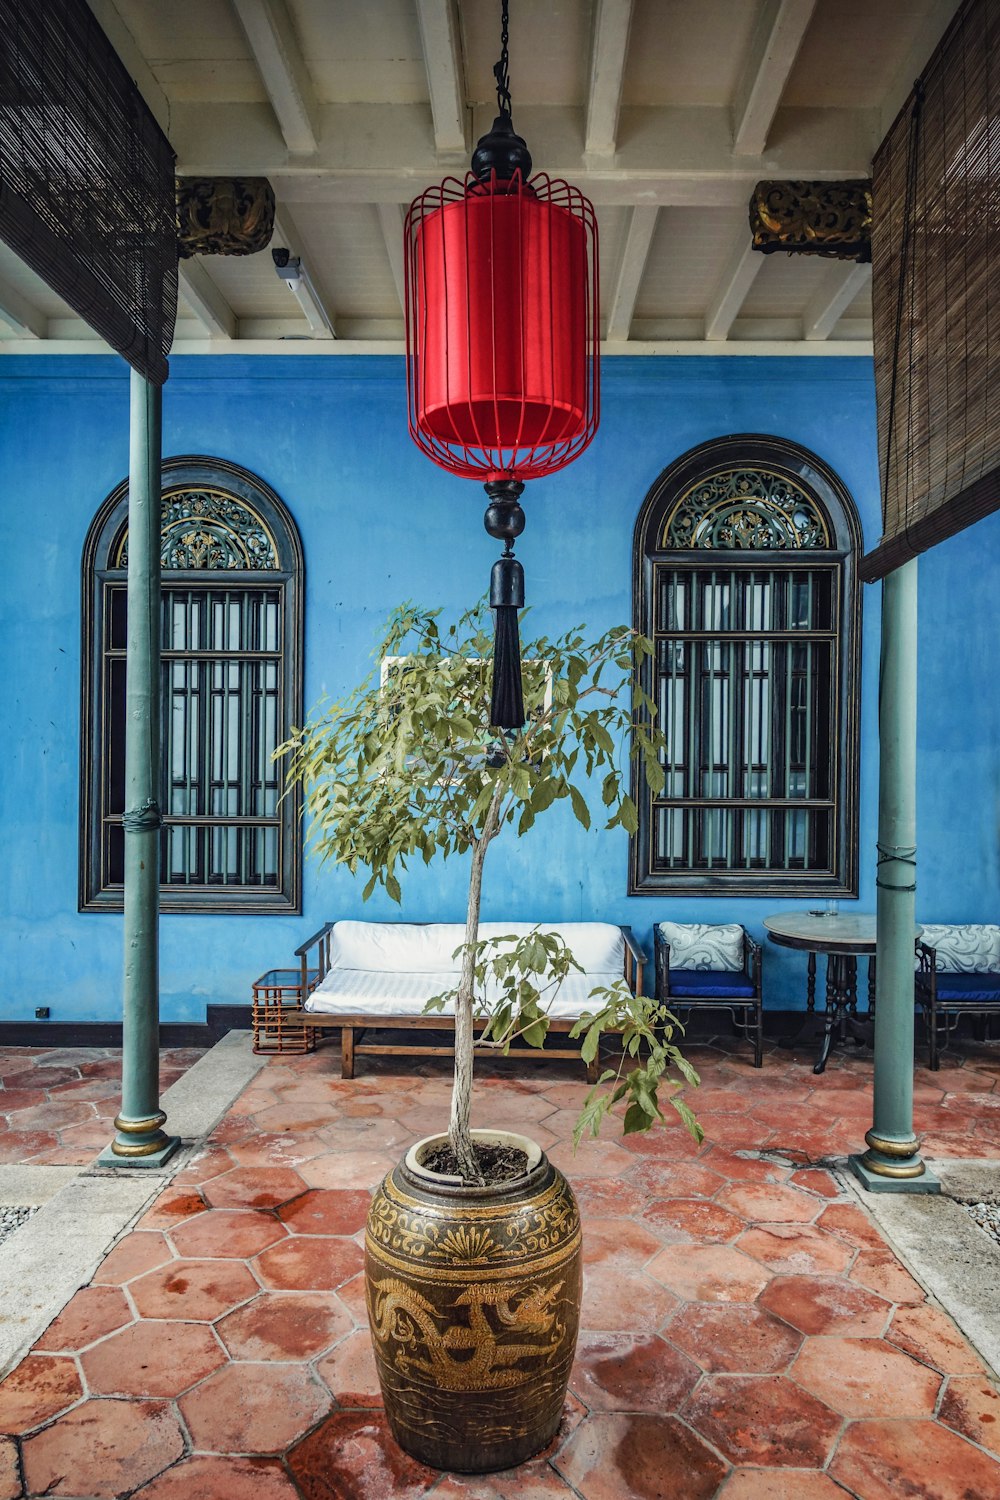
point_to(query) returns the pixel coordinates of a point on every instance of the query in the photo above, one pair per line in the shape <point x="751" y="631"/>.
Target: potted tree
<point x="473" y="1241"/>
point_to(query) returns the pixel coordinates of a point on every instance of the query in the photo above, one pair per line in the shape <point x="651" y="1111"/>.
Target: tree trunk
<point x="459" y="1131"/>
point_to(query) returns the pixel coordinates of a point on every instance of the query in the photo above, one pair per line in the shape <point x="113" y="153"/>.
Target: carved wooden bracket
<point x="813" y="218"/>
<point x="223" y="215"/>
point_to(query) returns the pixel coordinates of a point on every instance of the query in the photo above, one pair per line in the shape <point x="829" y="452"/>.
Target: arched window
<point x="744" y="577"/>
<point x="232" y="592"/>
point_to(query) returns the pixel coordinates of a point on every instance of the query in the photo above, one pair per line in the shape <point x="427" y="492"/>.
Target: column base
<point x="872" y="1175"/>
<point x="161" y="1153"/>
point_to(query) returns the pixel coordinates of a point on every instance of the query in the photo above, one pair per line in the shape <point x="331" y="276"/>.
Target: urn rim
<point x="413" y="1161"/>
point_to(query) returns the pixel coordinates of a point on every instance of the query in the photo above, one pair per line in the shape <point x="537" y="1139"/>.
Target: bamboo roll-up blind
<point x="87" y="178"/>
<point x="936" y="296"/>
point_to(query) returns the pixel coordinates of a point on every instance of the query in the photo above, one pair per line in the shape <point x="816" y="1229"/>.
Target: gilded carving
<point x="745" y="509"/>
<point x="223" y="215"/>
<point x="509" y="1329"/>
<point x="813" y="218"/>
<point x="204" y="529"/>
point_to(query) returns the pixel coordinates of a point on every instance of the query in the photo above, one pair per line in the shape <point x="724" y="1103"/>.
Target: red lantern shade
<point x="502" y="325"/>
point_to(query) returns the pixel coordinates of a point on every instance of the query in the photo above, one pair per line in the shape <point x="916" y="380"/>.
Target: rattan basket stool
<point x="278" y="1000"/>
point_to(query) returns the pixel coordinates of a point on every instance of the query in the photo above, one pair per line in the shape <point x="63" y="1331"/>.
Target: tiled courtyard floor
<point x="747" y="1332"/>
<point x="57" y="1104"/>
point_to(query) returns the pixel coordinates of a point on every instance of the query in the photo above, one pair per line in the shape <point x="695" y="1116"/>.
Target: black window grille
<point x="745" y="581"/>
<point x="231" y="673"/>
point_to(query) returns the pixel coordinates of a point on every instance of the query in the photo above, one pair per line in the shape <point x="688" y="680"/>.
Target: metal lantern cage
<point x="502" y="325"/>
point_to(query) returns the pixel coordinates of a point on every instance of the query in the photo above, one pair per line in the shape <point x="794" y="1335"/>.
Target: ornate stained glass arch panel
<point x="231" y="631"/>
<point x="744" y="578"/>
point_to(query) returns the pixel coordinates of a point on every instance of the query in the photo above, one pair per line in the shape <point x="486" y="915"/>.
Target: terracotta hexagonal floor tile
<point x="291" y="1117"/>
<point x="971" y="1406"/>
<point x="90" y="1314"/>
<point x="227" y="1233"/>
<point x="674" y="1179"/>
<point x="796" y="1249"/>
<point x="365" y="1133"/>
<point x="285" y="1325"/>
<point x="884" y="1460"/>
<point x="132" y="1257"/>
<point x="308" y="1263"/>
<point x="692" y="1220"/>
<point x="709" y="1273"/>
<point x="102" y="1449"/>
<point x="611" y="1297"/>
<point x="347" y="1169"/>
<point x="740" y="1165"/>
<point x="327" y="1211"/>
<point x="644" y="1457"/>
<point x="735" y="1338"/>
<point x="40" y="1386"/>
<point x="172" y="1207"/>
<point x="204" y="1164"/>
<point x="352" y="1295"/>
<point x="254" y="1187"/>
<point x="530" y="1481"/>
<point x="353" y="1453"/>
<point x="929" y="1335"/>
<point x="10" y="1479"/>
<point x="601" y="1198"/>
<point x="253" y="1408"/>
<point x="198" y="1290"/>
<point x="881" y="1272"/>
<point x="781" y="1484"/>
<point x="349" y="1371"/>
<point x="770" y="1203"/>
<point x="277" y="1149"/>
<point x="618" y="1242"/>
<point x="866" y="1378"/>
<point x="763" y="1419"/>
<point x="208" y="1478"/>
<point x="631" y="1372"/>
<point x="817" y="1180"/>
<point x="851" y="1223"/>
<point x="825" y="1304"/>
<point x="593" y="1159"/>
<point x="152" y="1358"/>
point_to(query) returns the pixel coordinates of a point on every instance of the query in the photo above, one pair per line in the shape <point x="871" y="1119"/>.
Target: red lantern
<point x="502" y="368"/>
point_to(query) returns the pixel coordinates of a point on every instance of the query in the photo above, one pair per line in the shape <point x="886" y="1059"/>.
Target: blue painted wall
<point x="380" y="524"/>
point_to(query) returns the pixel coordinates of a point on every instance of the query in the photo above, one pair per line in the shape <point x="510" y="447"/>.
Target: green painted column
<point x="140" y="1140"/>
<point x="892" y="1162"/>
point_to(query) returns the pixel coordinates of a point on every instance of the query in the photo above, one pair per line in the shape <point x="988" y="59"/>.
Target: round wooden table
<point x="844" y="939"/>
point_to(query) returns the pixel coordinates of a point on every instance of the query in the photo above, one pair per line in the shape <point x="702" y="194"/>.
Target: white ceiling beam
<point x="109" y="19"/>
<point x="609" y="49"/>
<point x="310" y="296"/>
<point x="642" y="227"/>
<point x="838" y="291"/>
<point x="386" y="153"/>
<point x="279" y="61"/>
<point x="781" y="25"/>
<point x="440" y="40"/>
<point x="847" y="348"/>
<point x="27" y="321"/>
<point x="205" y="300"/>
<point x="731" y="292"/>
<point x="390" y="216"/>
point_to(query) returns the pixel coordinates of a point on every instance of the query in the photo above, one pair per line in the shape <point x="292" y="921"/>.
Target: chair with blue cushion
<point x="958" y="974"/>
<point x="704" y="967"/>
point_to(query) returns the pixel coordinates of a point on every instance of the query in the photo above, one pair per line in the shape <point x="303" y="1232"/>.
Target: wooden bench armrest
<point x="321" y="942"/>
<point x="304" y="948"/>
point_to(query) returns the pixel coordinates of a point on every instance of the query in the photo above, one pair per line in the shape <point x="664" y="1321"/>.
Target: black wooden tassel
<point x="506" y="598"/>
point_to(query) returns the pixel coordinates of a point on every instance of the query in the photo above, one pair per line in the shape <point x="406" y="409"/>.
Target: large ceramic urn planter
<point x="474" y="1304"/>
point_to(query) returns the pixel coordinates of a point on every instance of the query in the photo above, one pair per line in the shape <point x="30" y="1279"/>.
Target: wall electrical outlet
<point x="41" y="1012"/>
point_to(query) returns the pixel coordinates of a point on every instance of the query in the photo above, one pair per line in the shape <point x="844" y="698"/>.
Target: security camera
<point x="280" y="258"/>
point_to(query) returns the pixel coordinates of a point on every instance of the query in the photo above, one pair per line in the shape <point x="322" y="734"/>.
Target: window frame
<point x="99" y="579"/>
<point x="827" y="492"/>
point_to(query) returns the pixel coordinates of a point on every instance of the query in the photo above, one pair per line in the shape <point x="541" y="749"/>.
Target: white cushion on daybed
<point x="394" y="968"/>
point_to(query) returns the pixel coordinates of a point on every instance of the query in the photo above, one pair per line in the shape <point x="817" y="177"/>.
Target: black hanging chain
<point x="501" y="69"/>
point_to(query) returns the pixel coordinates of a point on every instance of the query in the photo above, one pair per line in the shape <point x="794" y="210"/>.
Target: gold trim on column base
<point x="901" y="1150"/>
<point x="159" y="1142"/>
<point x="892" y="1169"/>
<point x="141" y="1127"/>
